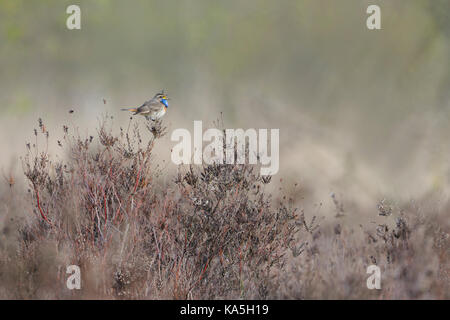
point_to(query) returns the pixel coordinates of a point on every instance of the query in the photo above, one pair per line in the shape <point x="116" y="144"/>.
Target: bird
<point x="153" y="109"/>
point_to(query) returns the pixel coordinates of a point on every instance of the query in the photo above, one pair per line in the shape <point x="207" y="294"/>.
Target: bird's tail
<point x="129" y="109"/>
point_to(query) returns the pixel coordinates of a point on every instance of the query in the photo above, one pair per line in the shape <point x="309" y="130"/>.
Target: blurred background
<point x="364" y="114"/>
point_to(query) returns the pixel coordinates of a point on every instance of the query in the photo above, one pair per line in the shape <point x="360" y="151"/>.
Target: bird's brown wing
<point x="144" y="109"/>
<point x="153" y="106"/>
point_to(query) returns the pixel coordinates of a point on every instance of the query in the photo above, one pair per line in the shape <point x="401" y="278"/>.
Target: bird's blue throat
<point x="164" y="102"/>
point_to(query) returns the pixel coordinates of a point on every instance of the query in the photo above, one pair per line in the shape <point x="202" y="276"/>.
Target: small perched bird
<point x="152" y="109"/>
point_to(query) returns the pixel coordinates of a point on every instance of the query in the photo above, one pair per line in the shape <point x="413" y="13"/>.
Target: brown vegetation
<point x="211" y="233"/>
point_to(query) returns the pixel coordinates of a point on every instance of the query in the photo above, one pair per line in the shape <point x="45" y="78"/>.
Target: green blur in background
<point x="311" y="54"/>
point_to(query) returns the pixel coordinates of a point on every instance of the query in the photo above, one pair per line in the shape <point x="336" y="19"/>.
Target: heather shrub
<point x="210" y="232"/>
